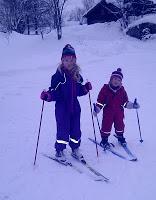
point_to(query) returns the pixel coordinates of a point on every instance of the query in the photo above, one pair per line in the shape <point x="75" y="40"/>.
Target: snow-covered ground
<point x="26" y="66"/>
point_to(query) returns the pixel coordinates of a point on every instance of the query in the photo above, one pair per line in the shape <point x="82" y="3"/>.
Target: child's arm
<point x="101" y="97"/>
<point x="56" y="80"/>
<point x="131" y="105"/>
<point x="83" y="89"/>
<point x="128" y="104"/>
<point x="53" y="94"/>
<point x="100" y="101"/>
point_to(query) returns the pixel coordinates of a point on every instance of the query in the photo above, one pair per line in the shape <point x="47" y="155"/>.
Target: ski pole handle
<point x="135" y="101"/>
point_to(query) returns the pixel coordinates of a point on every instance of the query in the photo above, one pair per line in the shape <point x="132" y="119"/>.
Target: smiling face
<point x="68" y="62"/>
<point x="116" y="81"/>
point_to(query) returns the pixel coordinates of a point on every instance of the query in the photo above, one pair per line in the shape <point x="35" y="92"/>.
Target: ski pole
<point x="39" y="132"/>
<point x="97" y="120"/>
<point x="93" y="123"/>
<point x="141" y="140"/>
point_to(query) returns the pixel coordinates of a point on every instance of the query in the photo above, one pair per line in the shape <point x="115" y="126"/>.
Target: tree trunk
<point x="28" y="25"/>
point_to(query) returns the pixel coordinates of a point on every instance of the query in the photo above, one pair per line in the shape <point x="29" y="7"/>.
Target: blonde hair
<point x="74" y="71"/>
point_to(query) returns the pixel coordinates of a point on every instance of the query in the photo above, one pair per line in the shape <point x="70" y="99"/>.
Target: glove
<point x="46" y="96"/>
<point x="88" y="86"/>
<point x="96" y="110"/>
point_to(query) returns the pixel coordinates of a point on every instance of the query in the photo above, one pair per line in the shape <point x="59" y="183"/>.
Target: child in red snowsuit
<point x="113" y="99"/>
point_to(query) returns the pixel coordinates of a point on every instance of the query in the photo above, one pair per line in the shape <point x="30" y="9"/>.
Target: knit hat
<point x="117" y="73"/>
<point x="68" y="50"/>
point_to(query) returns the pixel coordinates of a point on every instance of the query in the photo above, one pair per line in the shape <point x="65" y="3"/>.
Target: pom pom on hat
<point x="117" y="73"/>
<point x="68" y="50"/>
<point x="119" y="69"/>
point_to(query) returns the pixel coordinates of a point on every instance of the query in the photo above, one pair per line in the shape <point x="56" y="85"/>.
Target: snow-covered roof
<point x="115" y="2"/>
<point x="147" y="18"/>
<point x="91" y="8"/>
<point x="97" y="2"/>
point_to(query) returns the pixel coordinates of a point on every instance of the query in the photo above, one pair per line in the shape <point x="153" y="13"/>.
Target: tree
<point x="55" y="8"/>
<point x="132" y="9"/>
<point x="32" y="15"/>
<point x="139" y="7"/>
<point x="77" y="14"/>
<point x="87" y="4"/>
<point x="12" y="13"/>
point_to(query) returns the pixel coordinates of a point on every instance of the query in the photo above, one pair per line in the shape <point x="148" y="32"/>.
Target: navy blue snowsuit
<point x="67" y="109"/>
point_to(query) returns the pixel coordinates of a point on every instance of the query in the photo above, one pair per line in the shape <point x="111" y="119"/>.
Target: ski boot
<point x="77" y="155"/>
<point x="60" y="157"/>
<point x="105" y="144"/>
<point x="121" y="140"/>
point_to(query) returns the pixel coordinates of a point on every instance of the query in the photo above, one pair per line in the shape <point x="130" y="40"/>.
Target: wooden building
<point x="103" y="12"/>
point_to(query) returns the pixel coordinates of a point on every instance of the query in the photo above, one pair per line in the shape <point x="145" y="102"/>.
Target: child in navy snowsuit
<point x="66" y="86"/>
<point x="113" y="99"/>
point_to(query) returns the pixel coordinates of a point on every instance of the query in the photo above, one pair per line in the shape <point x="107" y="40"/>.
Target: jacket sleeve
<point x="56" y="79"/>
<point x="81" y="89"/>
<point x="125" y="98"/>
<point x="101" y="97"/>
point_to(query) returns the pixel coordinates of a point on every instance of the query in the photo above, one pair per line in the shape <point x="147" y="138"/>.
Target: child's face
<point x="68" y="61"/>
<point x="116" y="81"/>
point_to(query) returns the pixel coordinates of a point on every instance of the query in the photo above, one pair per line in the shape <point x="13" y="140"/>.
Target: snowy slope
<point x="26" y="66"/>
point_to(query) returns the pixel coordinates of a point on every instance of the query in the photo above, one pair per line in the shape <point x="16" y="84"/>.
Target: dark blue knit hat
<point x="68" y="50"/>
<point x="117" y="73"/>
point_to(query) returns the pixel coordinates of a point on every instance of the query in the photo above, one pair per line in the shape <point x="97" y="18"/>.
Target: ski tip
<point x="134" y="159"/>
<point x="101" y="180"/>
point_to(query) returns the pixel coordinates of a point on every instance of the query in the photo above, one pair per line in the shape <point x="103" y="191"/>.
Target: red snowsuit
<point x="113" y="111"/>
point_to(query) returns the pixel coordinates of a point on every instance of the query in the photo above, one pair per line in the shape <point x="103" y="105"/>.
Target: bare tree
<point x="132" y="9"/>
<point x="87" y="4"/>
<point x="77" y="14"/>
<point x="56" y="8"/>
<point x="12" y="13"/>
<point x="37" y="15"/>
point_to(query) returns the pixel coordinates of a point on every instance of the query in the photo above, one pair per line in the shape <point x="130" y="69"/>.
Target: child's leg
<point x="63" y="128"/>
<point x="119" y="123"/>
<point x="75" y="132"/>
<point x="119" y="127"/>
<point x="107" y="122"/>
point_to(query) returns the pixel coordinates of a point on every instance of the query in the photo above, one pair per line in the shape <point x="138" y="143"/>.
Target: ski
<point x="110" y="149"/>
<point x="128" y="151"/>
<point x="64" y="163"/>
<point x="99" y="176"/>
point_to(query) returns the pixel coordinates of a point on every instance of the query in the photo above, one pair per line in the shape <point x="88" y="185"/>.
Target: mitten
<point x="46" y="96"/>
<point x="96" y="109"/>
<point x="88" y="86"/>
<point x="131" y="105"/>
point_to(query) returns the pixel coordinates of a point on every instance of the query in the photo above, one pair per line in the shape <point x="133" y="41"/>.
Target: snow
<point x="26" y="66"/>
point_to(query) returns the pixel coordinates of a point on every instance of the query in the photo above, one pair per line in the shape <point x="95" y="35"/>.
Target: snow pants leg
<point x="119" y="122"/>
<point x="68" y="129"/>
<point x="107" y="121"/>
<point x="110" y="117"/>
<point x="63" y="128"/>
<point x="75" y="132"/>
